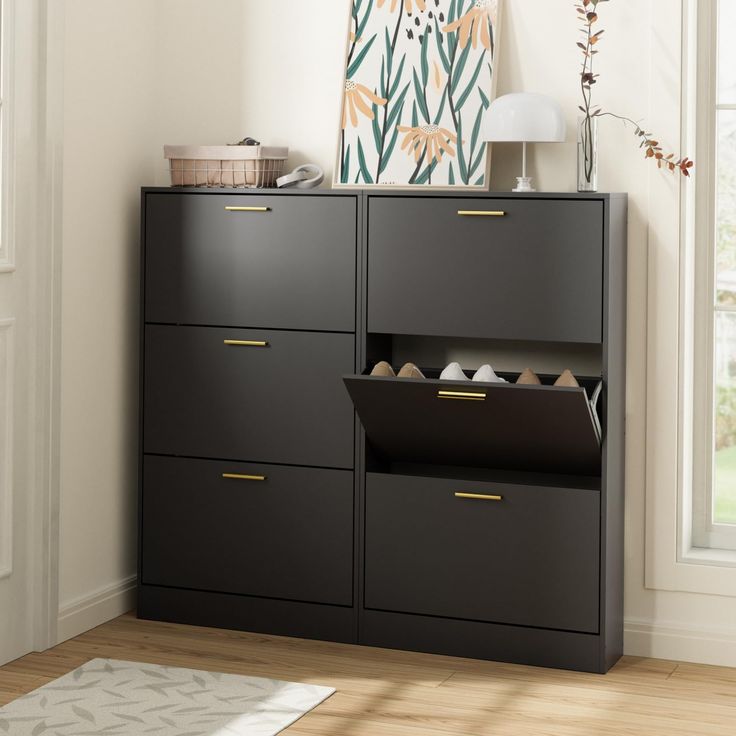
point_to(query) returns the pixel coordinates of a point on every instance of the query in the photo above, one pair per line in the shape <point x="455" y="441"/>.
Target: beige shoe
<point x="383" y="369"/>
<point x="409" y="370"/>
<point x="528" y="377"/>
<point x="567" y="379"/>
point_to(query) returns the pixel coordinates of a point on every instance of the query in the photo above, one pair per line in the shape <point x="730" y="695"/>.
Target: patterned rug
<point x="107" y="697"/>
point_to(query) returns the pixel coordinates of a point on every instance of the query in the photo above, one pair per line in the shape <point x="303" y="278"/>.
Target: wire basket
<point x="225" y="166"/>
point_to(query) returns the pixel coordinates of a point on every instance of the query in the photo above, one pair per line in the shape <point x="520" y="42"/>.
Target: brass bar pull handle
<point x="461" y="395"/>
<point x="239" y="476"/>
<point x="478" y="496"/>
<point x="481" y="213"/>
<point x="248" y="343"/>
<point x="247" y="209"/>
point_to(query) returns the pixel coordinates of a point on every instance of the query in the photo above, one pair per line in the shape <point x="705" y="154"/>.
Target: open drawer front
<point x="488" y="425"/>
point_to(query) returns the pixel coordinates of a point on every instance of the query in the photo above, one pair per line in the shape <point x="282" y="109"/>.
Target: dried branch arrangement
<point x="588" y="12"/>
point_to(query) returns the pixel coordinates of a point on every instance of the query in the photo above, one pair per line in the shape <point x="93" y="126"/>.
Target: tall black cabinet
<point x="247" y="476"/>
<point x="284" y="489"/>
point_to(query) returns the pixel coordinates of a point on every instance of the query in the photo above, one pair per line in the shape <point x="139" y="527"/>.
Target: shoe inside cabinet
<point x="474" y="360"/>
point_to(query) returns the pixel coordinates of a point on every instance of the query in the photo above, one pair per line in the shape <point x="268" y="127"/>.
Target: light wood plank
<point x="383" y="692"/>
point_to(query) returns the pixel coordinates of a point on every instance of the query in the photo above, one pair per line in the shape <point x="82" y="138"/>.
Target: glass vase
<point x="587" y="154"/>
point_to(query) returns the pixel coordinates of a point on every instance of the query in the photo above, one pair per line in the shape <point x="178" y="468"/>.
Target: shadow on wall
<point x="129" y="438"/>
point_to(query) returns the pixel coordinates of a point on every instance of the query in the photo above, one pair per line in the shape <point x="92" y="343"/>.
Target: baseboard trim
<point x="687" y="644"/>
<point x="642" y="638"/>
<point x="95" y="608"/>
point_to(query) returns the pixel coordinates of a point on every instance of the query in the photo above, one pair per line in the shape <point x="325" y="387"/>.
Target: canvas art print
<point x="419" y="77"/>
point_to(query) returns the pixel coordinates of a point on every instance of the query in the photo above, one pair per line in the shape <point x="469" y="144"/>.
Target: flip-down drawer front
<point x="500" y="553"/>
<point x="266" y="396"/>
<point x="262" y="530"/>
<point x="491" y="268"/>
<point x="285" y="261"/>
<point x="548" y="429"/>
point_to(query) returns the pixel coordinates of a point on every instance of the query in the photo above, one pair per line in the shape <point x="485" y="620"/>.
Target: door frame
<point x="33" y="68"/>
<point x="47" y="244"/>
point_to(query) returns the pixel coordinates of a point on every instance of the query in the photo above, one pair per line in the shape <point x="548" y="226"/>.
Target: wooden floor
<point x="387" y="693"/>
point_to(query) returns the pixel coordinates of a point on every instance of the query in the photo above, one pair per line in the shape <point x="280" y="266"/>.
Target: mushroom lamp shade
<point x="524" y="118"/>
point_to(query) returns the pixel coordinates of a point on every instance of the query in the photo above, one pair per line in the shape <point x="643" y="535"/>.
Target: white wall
<point x="198" y="74"/>
<point x="108" y="111"/>
<point x="136" y="74"/>
<point x="173" y="71"/>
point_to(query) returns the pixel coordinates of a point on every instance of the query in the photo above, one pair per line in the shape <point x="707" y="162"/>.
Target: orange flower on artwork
<point x="421" y="5"/>
<point x="435" y="140"/>
<point x="355" y="100"/>
<point x="437" y="77"/>
<point x="476" y="22"/>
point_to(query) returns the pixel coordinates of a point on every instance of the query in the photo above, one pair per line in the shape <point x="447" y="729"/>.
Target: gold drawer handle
<point x="238" y="476"/>
<point x="481" y="213"/>
<point x="461" y="395"/>
<point x="478" y="496"/>
<point x="247" y="209"/>
<point x="248" y="343"/>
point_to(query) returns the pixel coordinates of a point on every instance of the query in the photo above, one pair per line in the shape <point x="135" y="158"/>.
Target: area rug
<point x="107" y="697"/>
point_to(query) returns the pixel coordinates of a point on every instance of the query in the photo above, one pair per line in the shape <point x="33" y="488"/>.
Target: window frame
<point x="705" y="533"/>
<point x="671" y="563"/>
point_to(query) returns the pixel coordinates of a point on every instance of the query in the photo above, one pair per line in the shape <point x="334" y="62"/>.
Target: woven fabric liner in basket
<point x="225" y="166"/>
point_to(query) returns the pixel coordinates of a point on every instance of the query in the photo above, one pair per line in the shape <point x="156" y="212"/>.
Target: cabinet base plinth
<point x="246" y="613"/>
<point x="565" y="650"/>
<point x="471" y="639"/>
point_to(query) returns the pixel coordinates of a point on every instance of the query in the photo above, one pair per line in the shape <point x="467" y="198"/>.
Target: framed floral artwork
<point x="419" y="76"/>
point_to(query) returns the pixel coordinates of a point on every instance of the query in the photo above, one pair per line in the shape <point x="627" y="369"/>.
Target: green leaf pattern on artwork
<point x="353" y="68"/>
<point x="367" y="178"/>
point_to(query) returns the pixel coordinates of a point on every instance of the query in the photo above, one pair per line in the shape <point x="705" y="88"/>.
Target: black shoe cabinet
<point x="284" y="489"/>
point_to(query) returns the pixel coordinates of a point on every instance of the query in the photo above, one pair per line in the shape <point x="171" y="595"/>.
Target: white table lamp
<point x="524" y="118"/>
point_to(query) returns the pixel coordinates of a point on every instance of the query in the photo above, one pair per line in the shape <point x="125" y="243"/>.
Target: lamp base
<point x="524" y="184"/>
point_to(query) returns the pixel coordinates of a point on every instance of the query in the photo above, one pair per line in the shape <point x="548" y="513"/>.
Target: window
<point x="714" y="479"/>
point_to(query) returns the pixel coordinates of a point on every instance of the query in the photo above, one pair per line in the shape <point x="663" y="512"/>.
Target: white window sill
<point x="715" y="557"/>
<point x="697" y="570"/>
